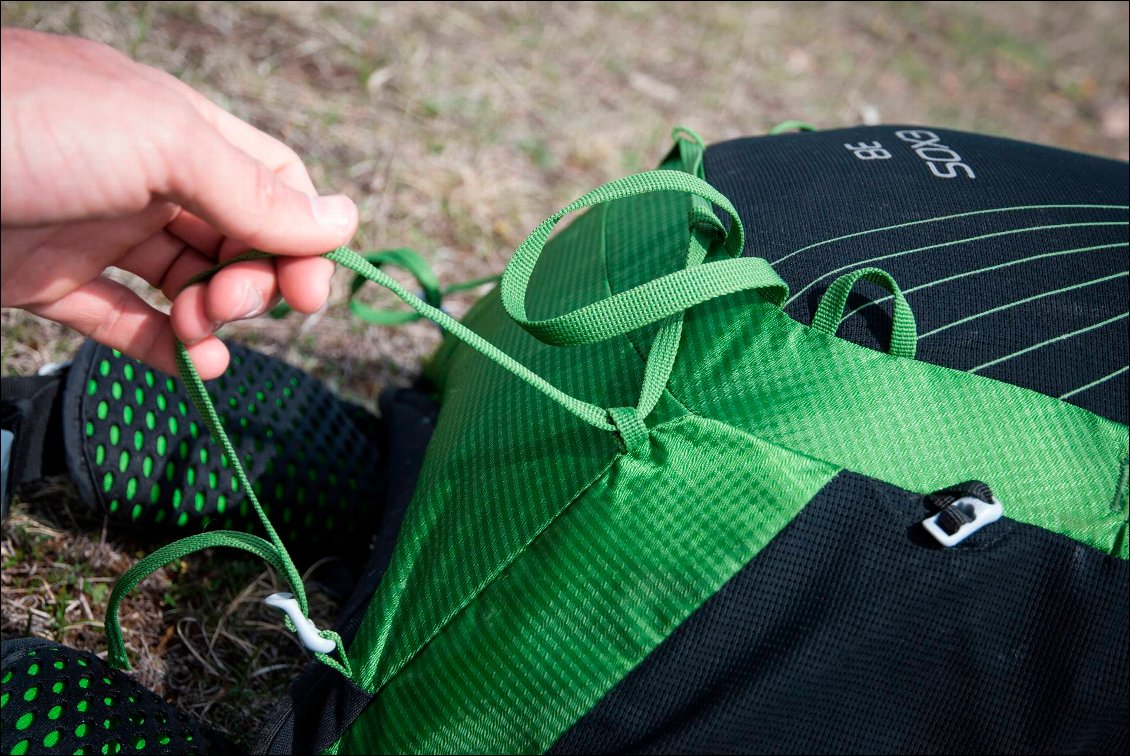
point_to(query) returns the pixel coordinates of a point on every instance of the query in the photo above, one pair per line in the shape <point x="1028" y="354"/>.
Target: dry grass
<point x="457" y="127"/>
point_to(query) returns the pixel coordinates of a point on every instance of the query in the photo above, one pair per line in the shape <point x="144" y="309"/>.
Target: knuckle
<point x="103" y="329"/>
<point x="260" y="207"/>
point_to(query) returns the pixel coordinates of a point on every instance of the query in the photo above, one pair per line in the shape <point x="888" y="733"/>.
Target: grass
<point x="456" y="128"/>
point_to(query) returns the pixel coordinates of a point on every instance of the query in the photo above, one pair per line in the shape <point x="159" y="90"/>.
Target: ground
<point x="456" y="128"/>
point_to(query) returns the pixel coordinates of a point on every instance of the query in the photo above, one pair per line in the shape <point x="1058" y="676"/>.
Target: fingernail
<point x="335" y="211"/>
<point x="252" y="303"/>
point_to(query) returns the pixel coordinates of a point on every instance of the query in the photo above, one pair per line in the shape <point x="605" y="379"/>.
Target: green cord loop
<point x="173" y="552"/>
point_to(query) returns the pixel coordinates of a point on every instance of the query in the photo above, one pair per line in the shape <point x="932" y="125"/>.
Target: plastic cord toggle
<point x="962" y="518"/>
<point x="308" y="632"/>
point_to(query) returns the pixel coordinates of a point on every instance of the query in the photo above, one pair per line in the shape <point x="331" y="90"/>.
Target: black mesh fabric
<point x="854" y="632"/>
<point x="139" y="451"/>
<point x="59" y="700"/>
<point x="1039" y="282"/>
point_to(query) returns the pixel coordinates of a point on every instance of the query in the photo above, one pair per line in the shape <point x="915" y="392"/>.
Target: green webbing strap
<point x="654" y="300"/>
<point x="692" y="150"/>
<point x="904" y="334"/>
<point x="667" y="297"/>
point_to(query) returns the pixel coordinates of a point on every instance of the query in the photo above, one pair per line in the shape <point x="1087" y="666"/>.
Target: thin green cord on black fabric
<point x="904" y="337"/>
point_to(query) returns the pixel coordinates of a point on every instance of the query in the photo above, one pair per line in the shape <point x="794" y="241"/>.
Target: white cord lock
<point x="981" y="513"/>
<point x="307" y="630"/>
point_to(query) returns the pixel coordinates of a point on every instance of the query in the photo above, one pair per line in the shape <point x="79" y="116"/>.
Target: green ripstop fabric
<point x="541" y="559"/>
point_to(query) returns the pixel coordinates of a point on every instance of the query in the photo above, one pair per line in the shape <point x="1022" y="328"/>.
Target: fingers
<point x="113" y="315"/>
<point x="165" y="262"/>
<point x="245" y="200"/>
<point x="305" y="281"/>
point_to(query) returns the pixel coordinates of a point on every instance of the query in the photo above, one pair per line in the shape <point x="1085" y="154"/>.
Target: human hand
<point x="109" y="163"/>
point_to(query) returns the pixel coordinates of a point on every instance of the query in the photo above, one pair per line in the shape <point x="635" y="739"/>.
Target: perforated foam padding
<point x="57" y="700"/>
<point x="139" y="451"/>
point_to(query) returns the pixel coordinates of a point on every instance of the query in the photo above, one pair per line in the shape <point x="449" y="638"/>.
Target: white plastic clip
<point x="307" y="630"/>
<point x="982" y="513"/>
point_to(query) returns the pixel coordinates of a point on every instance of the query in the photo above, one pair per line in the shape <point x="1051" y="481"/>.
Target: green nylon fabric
<point x="541" y="560"/>
<point x="465" y="693"/>
<point x="904" y="333"/>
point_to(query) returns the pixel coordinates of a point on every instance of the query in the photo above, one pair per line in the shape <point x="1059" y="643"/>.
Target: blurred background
<point x="457" y="127"/>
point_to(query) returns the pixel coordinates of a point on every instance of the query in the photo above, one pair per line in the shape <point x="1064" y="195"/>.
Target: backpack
<point x="813" y="443"/>
<point x="671" y="517"/>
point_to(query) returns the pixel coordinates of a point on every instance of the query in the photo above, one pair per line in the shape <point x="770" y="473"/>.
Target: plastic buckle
<point x="54" y="368"/>
<point x="305" y="627"/>
<point x="978" y="513"/>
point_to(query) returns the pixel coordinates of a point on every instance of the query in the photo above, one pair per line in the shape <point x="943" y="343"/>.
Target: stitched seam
<point x="470" y="599"/>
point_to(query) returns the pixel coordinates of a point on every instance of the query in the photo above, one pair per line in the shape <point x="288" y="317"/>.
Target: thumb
<point x="244" y="200"/>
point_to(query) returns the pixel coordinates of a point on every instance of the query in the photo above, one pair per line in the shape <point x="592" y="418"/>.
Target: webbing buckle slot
<point x="972" y="514"/>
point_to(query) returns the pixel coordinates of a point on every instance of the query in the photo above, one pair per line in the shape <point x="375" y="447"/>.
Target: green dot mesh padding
<point x="138" y="450"/>
<point x="58" y="700"/>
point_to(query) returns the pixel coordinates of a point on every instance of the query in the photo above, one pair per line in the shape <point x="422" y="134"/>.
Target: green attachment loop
<point x="829" y="315"/>
<point x="787" y="126"/>
<point x="630" y="427"/>
<point x="179" y="549"/>
<point x="646" y="303"/>
<point x="668" y="297"/>
<point x="343" y="666"/>
<point x="692" y="150"/>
